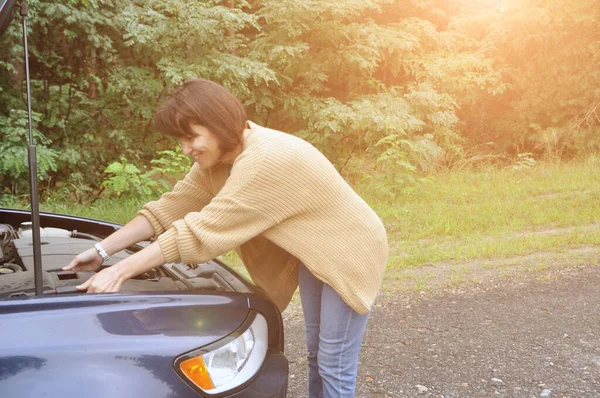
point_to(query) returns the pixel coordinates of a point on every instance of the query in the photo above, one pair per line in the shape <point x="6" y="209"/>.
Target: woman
<point x="283" y="204"/>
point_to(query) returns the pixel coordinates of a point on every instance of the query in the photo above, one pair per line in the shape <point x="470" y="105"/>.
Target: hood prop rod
<point x="31" y="155"/>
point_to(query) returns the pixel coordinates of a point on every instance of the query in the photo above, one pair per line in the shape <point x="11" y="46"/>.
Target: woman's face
<point x="203" y="146"/>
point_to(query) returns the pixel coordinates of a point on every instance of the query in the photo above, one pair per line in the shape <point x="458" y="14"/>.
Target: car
<point x="179" y="330"/>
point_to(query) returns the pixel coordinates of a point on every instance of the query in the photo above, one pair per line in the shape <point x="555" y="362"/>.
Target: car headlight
<point x="229" y="363"/>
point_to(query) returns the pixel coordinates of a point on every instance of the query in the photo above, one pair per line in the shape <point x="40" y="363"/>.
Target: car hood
<point x="78" y="344"/>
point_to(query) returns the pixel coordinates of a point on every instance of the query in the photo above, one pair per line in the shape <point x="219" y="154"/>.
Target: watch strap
<point x="102" y="252"/>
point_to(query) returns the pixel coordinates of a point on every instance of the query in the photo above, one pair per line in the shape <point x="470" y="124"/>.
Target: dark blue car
<point x="176" y="331"/>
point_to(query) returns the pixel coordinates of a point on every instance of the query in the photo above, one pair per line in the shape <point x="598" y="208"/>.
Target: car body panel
<point x="105" y="342"/>
<point x="68" y="344"/>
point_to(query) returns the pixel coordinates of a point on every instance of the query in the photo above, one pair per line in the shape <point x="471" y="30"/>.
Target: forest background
<point x="471" y="126"/>
<point x="389" y="90"/>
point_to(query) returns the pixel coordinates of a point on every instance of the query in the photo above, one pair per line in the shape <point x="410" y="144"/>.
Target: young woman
<point x="283" y="204"/>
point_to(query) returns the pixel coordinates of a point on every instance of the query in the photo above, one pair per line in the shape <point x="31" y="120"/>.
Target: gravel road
<point x="532" y="338"/>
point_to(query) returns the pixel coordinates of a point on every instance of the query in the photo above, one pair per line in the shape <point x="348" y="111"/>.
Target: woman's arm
<point x="241" y="210"/>
<point x="134" y="231"/>
<point x="189" y="195"/>
<point x="223" y="224"/>
<point x="111" y="279"/>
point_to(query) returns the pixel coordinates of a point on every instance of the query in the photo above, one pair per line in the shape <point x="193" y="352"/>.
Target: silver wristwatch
<point x="102" y="252"/>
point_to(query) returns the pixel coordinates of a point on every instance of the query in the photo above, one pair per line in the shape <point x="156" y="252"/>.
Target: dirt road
<point x="526" y="338"/>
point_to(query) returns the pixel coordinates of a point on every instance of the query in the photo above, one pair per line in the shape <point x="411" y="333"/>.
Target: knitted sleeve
<point x="189" y="195"/>
<point x="224" y="224"/>
<point x="235" y="215"/>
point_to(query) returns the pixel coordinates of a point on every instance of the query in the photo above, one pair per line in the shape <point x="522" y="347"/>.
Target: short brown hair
<point x="205" y="103"/>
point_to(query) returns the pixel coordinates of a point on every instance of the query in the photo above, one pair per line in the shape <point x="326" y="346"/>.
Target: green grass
<point x="496" y="201"/>
<point x="114" y="210"/>
<point x="456" y="217"/>
<point x="496" y="213"/>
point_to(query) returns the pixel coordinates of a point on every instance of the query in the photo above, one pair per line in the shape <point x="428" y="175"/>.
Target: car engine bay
<point x="60" y="246"/>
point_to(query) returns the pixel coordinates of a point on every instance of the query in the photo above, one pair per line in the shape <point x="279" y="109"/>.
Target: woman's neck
<point x="231" y="156"/>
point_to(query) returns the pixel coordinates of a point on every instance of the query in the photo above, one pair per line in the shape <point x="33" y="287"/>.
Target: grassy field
<point x="495" y="213"/>
<point x="462" y="224"/>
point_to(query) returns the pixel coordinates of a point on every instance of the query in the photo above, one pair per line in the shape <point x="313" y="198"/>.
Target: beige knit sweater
<point x="282" y="201"/>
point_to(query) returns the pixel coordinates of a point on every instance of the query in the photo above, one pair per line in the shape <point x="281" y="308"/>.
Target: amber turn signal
<point x="195" y="370"/>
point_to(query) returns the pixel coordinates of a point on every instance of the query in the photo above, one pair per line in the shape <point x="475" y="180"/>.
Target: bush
<point x="14" y="140"/>
<point x="128" y="179"/>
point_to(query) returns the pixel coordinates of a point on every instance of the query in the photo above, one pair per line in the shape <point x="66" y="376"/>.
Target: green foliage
<point x="387" y="89"/>
<point x="14" y="140"/>
<point x="398" y="170"/>
<point x="170" y="167"/>
<point x="183" y="40"/>
<point x="125" y="178"/>
<point x="549" y="56"/>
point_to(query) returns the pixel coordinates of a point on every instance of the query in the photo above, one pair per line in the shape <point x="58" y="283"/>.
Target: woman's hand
<point x="106" y="281"/>
<point x="89" y="260"/>
<point x="134" y="231"/>
<point x="111" y="279"/>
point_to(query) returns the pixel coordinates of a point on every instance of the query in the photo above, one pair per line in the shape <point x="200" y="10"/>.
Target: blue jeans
<point x="334" y="333"/>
